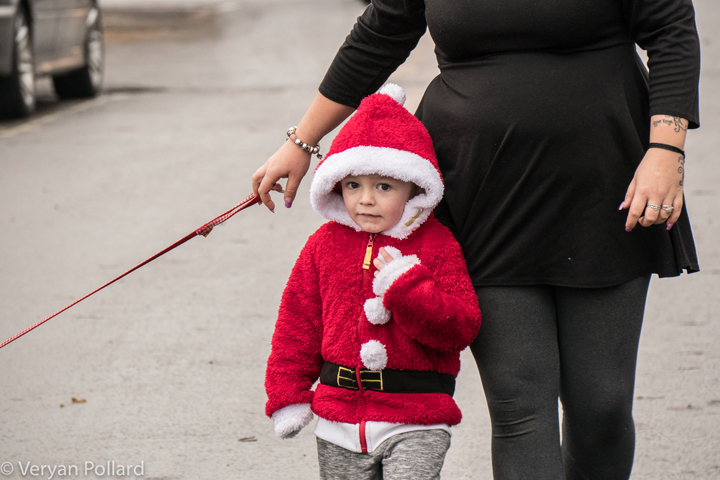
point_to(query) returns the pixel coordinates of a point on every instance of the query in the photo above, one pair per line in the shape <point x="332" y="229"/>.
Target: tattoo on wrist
<point x="677" y="123"/>
<point x="681" y="170"/>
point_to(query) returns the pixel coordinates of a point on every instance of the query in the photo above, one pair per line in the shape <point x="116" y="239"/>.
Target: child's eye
<point x="384" y="187"/>
<point x="352" y="185"/>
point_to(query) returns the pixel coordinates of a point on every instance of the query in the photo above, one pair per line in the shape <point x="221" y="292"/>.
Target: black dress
<point x="539" y="118"/>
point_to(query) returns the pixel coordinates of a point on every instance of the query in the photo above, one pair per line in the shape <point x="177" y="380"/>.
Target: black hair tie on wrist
<point x="665" y="146"/>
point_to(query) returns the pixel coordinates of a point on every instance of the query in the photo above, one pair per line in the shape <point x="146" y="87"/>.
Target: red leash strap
<point x="204" y="231"/>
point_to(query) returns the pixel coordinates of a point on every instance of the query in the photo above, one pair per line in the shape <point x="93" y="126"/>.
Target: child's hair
<point x="417" y="190"/>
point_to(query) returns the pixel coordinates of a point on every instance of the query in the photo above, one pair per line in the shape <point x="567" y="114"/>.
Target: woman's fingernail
<point x="669" y="226"/>
<point x="621" y="205"/>
<point x="288" y="202"/>
<point x="628" y="229"/>
<point x="272" y="210"/>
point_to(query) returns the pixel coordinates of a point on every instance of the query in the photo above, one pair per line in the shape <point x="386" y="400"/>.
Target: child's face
<point x="374" y="202"/>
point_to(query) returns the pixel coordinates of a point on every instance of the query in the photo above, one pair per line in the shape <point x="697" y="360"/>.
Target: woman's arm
<point x="291" y="161"/>
<point x="659" y="178"/>
<point x="666" y="30"/>
<point x="380" y="41"/>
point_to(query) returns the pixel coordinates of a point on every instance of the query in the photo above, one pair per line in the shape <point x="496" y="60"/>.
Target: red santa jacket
<point x="417" y="314"/>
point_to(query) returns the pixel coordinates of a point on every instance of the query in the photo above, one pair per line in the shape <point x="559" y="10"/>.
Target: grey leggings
<point x="415" y="455"/>
<point x="541" y="343"/>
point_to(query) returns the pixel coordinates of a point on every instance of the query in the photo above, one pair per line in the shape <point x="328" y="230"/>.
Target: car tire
<point x="85" y="82"/>
<point x="17" y="91"/>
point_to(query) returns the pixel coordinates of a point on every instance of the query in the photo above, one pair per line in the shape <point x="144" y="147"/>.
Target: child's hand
<point x="375" y="310"/>
<point x="379" y="264"/>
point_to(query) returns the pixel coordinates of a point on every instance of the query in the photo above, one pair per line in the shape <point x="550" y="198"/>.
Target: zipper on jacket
<point x="361" y="429"/>
<point x="365" y="278"/>
<point x="368" y="252"/>
<point x="366" y="271"/>
<point x="363" y="440"/>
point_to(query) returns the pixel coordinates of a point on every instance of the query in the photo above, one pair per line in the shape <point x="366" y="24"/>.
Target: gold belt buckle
<point x="346" y="378"/>
<point x="372" y="377"/>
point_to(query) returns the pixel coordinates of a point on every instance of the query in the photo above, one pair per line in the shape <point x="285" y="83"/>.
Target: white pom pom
<point x="393" y="91"/>
<point x="373" y="355"/>
<point x="375" y="312"/>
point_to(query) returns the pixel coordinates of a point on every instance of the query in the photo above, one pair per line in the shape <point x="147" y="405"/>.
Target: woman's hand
<point x="658" y="181"/>
<point x="291" y="162"/>
<point x="659" y="178"/>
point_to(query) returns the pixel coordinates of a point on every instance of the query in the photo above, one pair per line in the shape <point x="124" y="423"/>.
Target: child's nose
<point x="367" y="197"/>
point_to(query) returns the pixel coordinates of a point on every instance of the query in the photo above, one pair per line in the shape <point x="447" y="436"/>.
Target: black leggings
<point x="541" y="343"/>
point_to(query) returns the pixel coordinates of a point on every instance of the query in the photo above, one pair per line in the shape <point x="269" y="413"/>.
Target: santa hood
<point x="382" y="138"/>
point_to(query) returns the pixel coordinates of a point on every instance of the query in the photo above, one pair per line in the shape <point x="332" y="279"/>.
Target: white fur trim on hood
<point x="389" y="162"/>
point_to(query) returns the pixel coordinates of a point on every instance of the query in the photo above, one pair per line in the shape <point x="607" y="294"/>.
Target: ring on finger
<point x="654" y="207"/>
<point x="668" y="209"/>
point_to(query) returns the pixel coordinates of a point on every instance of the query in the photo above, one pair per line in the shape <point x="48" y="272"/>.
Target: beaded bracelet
<point x="308" y="148"/>
<point x="665" y="146"/>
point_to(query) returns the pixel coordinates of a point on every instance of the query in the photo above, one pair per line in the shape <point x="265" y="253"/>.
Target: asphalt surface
<point x="167" y="366"/>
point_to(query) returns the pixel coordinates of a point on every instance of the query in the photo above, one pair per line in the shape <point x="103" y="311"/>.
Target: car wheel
<point x="85" y="81"/>
<point x="17" y="91"/>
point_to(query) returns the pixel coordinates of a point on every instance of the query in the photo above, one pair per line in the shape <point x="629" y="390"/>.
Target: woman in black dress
<point x="543" y="120"/>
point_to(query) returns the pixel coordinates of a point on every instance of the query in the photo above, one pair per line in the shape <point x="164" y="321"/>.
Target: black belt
<point x="391" y="381"/>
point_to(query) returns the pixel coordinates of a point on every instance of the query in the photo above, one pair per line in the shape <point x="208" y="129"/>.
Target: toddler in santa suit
<point x="378" y="306"/>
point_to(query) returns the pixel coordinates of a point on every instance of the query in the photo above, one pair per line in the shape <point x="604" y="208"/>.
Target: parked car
<point x="61" y="38"/>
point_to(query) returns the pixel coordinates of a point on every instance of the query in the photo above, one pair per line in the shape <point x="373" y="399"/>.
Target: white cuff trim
<point x="394" y="253"/>
<point x="392" y="272"/>
<point x="291" y="419"/>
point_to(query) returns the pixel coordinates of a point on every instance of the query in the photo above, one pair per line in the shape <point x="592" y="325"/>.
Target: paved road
<point x="167" y="365"/>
